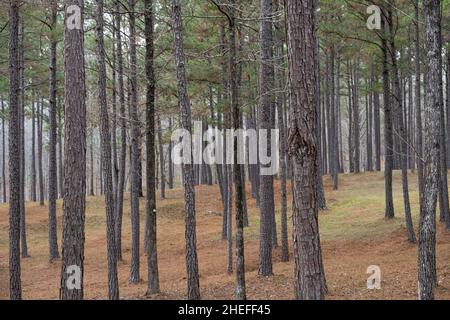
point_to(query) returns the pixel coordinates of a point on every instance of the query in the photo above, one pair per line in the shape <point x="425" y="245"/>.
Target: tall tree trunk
<point x="135" y="149"/>
<point x="433" y="100"/>
<point x="388" y="133"/>
<point x="350" y="119"/>
<point x="33" y="149"/>
<point x="377" y="125"/>
<point x="113" y="285"/>
<point x="52" y="165"/>
<point x="279" y="78"/>
<point x="114" y="160"/>
<point x="334" y="96"/>
<point x="170" y="157"/>
<point x="417" y="98"/>
<point x="226" y="125"/>
<point x="356" y="132"/>
<point x="447" y="104"/>
<point x="193" y="285"/>
<point x="337" y="122"/>
<point x="321" y="200"/>
<point x="3" y="152"/>
<point x="238" y="183"/>
<point x="267" y="210"/>
<point x="369" y="129"/>
<point x="398" y="113"/>
<point x="152" y="256"/>
<point x="23" y="226"/>
<point x="309" y="275"/>
<point x="123" y="133"/>
<point x="448" y="119"/>
<point x="91" y="154"/>
<point x="40" y="117"/>
<point x="162" y="183"/>
<point x="74" y="203"/>
<point x="229" y="220"/>
<point x="323" y="127"/>
<point x="60" y="148"/>
<point x="15" y="287"/>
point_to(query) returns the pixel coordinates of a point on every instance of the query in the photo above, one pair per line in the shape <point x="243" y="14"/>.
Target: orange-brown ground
<point x="353" y="230"/>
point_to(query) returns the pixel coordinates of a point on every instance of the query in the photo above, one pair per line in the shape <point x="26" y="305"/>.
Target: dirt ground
<point x="353" y="230"/>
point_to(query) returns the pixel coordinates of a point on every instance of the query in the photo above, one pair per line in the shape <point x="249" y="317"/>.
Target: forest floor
<point x="353" y="230"/>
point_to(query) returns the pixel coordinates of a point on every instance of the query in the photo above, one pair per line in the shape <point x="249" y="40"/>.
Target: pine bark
<point x="398" y="114"/>
<point x="40" y="116"/>
<point x="52" y="165"/>
<point x="74" y="203"/>
<point x="123" y="133"/>
<point x="267" y="209"/>
<point x="280" y="98"/>
<point x="162" y="182"/>
<point x="388" y="130"/>
<point x="356" y="124"/>
<point x="417" y="98"/>
<point x="152" y="256"/>
<point x="135" y="150"/>
<point x="4" y="152"/>
<point x="33" y="149"/>
<point x="193" y="285"/>
<point x="309" y="276"/>
<point x="113" y="285"/>
<point x="23" y="225"/>
<point x="238" y="183"/>
<point x="15" y="287"/>
<point x="433" y="100"/>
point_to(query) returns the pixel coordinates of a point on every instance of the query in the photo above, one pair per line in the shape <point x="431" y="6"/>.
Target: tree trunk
<point x="33" y="149"/>
<point x="3" y="152"/>
<point x="40" y="116"/>
<point x="309" y="276"/>
<point x="52" y="165"/>
<point x="91" y="154"/>
<point x="350" y="119"/>
<point x="398" y="113"/>
<point x="417" y="98"/>
<point x="388" y="134"/>
<point x="267" y="210"/>
<point x="170" y="157"/>
<point x="123" y="134"/>
<point x="226" y="125"/>
<point x="15" y="287"/>
<point x="279" y="78"/>
<point x="433" y="100"/>
<point x="377" y="125"/>
<point x="113" y="285"/>
<point x="75" y="155"/>
<point x="152" y="256"/>
<point x="193" y="285"/>
<point x="356" y="132"/>
<point x="369" y="130"/>
<point x="135" y="150"/>
<point x="161" y="160"/>
<point x="238" y="183"/>
<point x="60" y="148"/>
<point x="23" y="226"/>
<point x="114" y="160"/>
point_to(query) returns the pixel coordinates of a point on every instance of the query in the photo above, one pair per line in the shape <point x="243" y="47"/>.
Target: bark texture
<point x="74" y="203"/>
<point x="309" y="275"/>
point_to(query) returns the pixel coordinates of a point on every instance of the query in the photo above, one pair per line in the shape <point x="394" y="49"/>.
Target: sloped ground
<point x="353" y="230"/>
